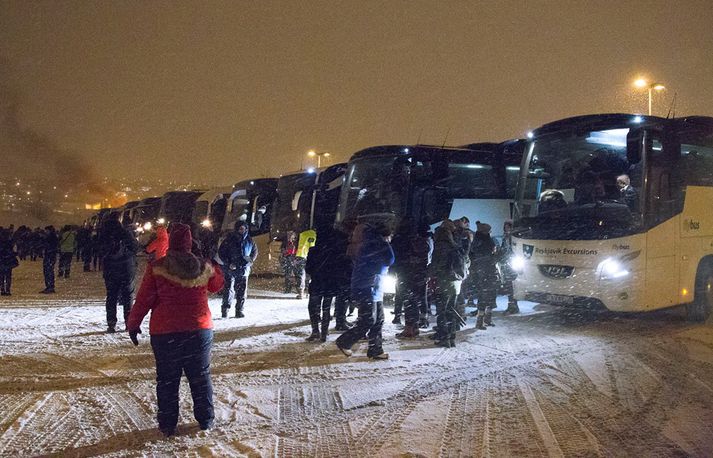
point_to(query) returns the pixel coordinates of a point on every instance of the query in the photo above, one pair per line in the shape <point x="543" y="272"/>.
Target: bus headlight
<point x="517" y="263"/>
<point x="611" y="268"/>
<point x="147" y="226"/>
<point x="161" y="221"/>
<point x="206" y="223"/>
<point x="388" y="284"/>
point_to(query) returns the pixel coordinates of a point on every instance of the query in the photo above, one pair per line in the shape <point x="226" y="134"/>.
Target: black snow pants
<point x="371" y="321"/>
<point x="176" y="354"/>
<point x="319" y="308"/>
<point x="118" y="291"/>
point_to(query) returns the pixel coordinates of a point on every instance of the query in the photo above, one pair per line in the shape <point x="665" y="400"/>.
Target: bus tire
<point x="700" y="309"/>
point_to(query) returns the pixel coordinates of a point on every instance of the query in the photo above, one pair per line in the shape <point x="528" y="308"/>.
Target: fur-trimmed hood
<point x="184" y="269"/>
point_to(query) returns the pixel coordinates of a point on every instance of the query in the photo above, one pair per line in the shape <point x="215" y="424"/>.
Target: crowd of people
<point x="343" y="269"/>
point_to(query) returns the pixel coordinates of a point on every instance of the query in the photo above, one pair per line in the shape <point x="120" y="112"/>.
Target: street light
<point x="313" y="153"/>
<point x="642" y="83"/>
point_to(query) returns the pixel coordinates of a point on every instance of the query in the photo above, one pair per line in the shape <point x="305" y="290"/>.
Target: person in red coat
<point x="158" y="246"/>
<point x="175" y="289"/>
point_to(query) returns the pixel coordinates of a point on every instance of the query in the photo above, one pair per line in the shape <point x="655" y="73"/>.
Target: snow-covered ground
<point x="548" y="382"/>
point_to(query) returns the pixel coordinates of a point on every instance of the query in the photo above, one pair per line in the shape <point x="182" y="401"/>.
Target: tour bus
<point x="614" y="210"/>
<point x="210" y="208"/>
<point x="307" y="199"/>
<point x="126" y="215"/>
<point x="252" y="201"/>
<point x="177" y="206"/>
<point x="430" y="183"/>
<point x="145" y="214"/>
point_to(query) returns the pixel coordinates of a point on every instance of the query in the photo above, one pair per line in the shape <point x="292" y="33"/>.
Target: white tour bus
<point x="616" y="210"/>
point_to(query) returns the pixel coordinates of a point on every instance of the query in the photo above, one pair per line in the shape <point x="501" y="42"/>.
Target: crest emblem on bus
<point x="527" y="250"/>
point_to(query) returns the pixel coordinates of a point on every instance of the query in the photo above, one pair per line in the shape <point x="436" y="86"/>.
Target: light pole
<point x="313" y="153"/>
<point x="650" y="87"/>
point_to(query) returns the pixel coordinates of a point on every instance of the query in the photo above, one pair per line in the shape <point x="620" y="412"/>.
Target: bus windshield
<point x="580" y="186"/>
<point x="375" y="185"/>
<point x="294" y="202"/>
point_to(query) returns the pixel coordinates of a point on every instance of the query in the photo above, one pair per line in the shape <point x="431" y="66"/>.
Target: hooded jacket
<point x="159" y="245"/>
<point x="175" y="289"/>
<point x="239" y="251"/>
<point x="371" y="263"/>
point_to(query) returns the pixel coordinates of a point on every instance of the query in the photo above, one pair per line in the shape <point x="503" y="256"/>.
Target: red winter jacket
<point x="175" y="289"/>
<point x="159" y="245"/>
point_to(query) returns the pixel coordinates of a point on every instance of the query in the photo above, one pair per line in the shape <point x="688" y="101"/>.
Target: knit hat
<point x="180" y="238"/>
<point x="483" y="228"/>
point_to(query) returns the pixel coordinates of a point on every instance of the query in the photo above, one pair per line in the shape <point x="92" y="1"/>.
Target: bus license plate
<point x="559" y="299"/>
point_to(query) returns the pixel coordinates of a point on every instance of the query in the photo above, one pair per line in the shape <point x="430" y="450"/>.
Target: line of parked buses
<point x="576" y="240"/>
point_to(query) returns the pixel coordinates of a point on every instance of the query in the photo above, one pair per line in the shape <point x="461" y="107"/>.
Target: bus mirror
<point x="633" y="146"/>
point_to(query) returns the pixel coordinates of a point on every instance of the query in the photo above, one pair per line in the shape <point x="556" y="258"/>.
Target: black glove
<point x="133" y="335"/>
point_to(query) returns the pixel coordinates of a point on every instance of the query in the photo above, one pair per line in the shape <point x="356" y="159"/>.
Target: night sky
<point x="215" y="92"/>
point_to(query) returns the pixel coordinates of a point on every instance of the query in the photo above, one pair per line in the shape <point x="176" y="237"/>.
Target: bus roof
<point x="255" y="182"/>
<point x="608" y="120"/>
<point x="403" y="150"/>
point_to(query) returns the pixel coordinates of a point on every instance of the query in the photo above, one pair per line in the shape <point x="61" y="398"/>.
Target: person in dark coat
<point x="119" y="248"/>
<point x="175" y="289"/>
<point x="238" y="253"/>
<point x="323" y="266"/>
<point x="36" y="244"/>
<point x="83" y="238"/>
<point x="414" y="250"/>
<point x="507" y="274"/>
<point x="485" y="274"/>
<point x="49" y="258"/>
<point x="8" y="261"/>
<point x="372" y="261"/>
<point x="342" y="277"/>
<point x="449" y="267"/>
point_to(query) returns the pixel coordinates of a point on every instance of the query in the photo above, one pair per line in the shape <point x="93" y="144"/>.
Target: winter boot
<point x="224" y="313"/>
<point x="410" y="330"/>
<point x="423" y="322"/>
<point x="301" y="294"/>
<point x="479" y="322"/>
<point x="396" y="320"/>
<point x="313" y="337"/>
<point x="488" y="318"/>
<point x="324" y="332"/>
<point x="512" y="307"/>
<point x="239" y="313"/>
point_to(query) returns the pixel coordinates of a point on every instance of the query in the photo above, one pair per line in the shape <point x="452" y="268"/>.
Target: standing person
<point x="8" y="261"/>
<point x="371" y="262"/>
<point x="97" y="255"/>
<point x="485" y="274"/>
<point x="449" y="267"/>
<point x="49" y="259"/>
<point x="238" y="253"/>
<point x="175" y="288"/>
<point x="400" y="246"/>
<point x="413" y="276"/>
<point x="88" y="251"/>
<point x="119" y="249"/>
<point x="82" y="237"/>
<point x="288" y="251"/>
<point x="36" y="244"/>
<point x="342" y="277"/>
<point x="323" y="268"/>
<point x="306" y="240"/>
<point x="158" y="247"/>
<point x="67" y="247"/>
<point x="508" y="275"/>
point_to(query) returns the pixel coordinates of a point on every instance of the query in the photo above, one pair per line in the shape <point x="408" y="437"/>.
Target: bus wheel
<point x="702" y="305"/>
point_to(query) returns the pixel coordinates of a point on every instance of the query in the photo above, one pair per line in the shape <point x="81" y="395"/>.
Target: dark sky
<point x="220" y="91"/>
